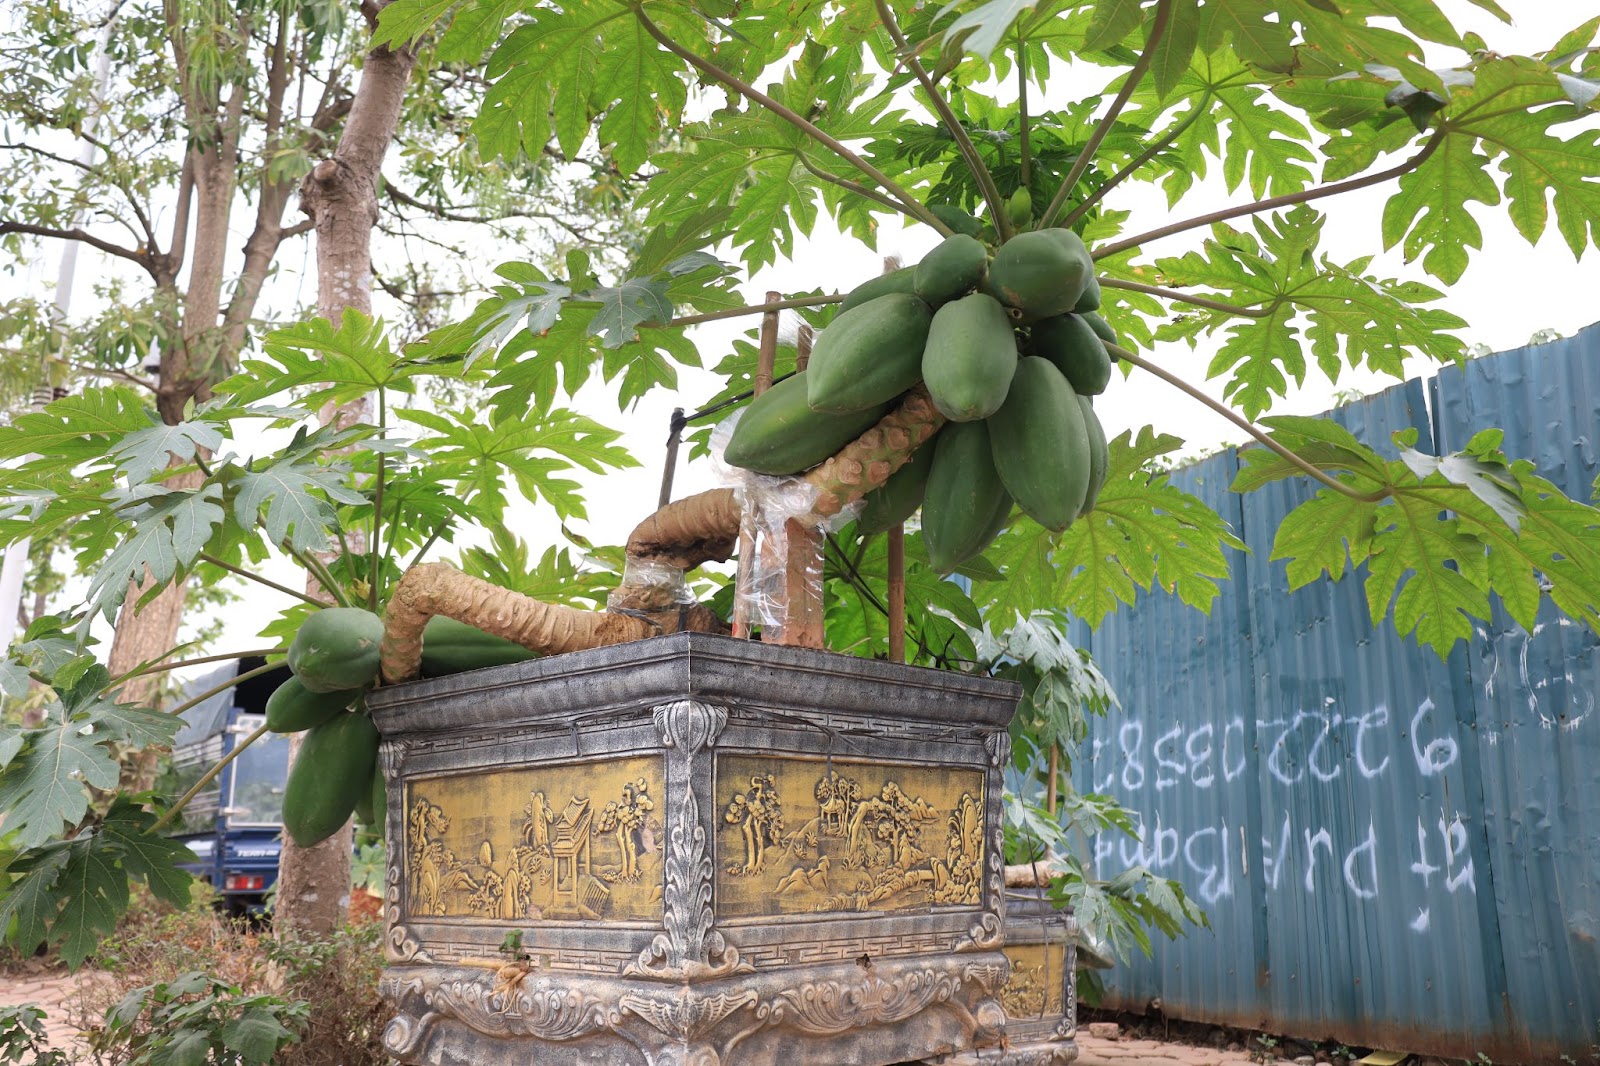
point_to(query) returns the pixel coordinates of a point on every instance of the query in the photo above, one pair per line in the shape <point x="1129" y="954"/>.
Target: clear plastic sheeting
<point x="665" y="582"/>
<point x="767" y="561"/>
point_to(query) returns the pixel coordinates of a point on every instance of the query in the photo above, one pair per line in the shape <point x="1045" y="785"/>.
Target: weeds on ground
<point x="197" y="1018"/>
<point x="22" y="1037"/>
<point x="334" y="981"/>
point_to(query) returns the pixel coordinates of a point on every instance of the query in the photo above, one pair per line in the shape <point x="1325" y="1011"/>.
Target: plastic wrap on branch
<point x="439" y="588"/>
<point x="650" y="585"/>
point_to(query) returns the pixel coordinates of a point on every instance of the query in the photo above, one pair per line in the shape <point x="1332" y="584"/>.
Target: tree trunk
<point x="340" y="195"/>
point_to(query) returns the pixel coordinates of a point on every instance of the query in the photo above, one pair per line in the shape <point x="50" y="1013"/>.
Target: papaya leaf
<point x="980" y="30"/>
<point x="331" y="365"/>
<point x="1322" y="535"/>
<point x="74" y="429"/>
<point x="169" y="529"/>
<point x="296" y="494"/>
<point x="405" y="21"/>
<point x="625" y="307"/>
<point x="1144" y="532"/>
<point x="145" y="451"/>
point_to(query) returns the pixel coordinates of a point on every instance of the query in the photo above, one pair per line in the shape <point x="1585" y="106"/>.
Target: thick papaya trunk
<point x="650" y="601"/>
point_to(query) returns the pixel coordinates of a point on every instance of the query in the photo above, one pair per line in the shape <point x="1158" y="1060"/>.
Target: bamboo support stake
<point x="897" y="593"/>
<point x="766" y="361"/>
<point x="669" y="465"/>
<point x="802" y="348"/>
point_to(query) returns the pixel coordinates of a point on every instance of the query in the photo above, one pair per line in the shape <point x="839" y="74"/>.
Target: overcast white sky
<point x="1511" y="291"/>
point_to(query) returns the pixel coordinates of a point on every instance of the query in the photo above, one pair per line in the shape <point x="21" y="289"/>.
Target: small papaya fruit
<point x="329" y="777"/>
<point x="779" y="433"/>
<point x="957" y="219"/>
<point x="1090" y="300"/>
<point x="899" y="497"/>
<point x="293" y="707"/>
<point x="955" y="267"/>
<point x="337" y="649"/>
<point x="1099" y="454"/>
<point x="1041" y="272"/>
<point x="963" y="497"/>
<point x="1019" y="208"/>
<point x="868" y="355"/>
<point x="1041" y="446"/>
<point x="902" y="280"/>
<point x="451" y="647"/>
<point x="1101" y="327"/>
<point x="1072" y="345"/>
<point x="970" y="357"/>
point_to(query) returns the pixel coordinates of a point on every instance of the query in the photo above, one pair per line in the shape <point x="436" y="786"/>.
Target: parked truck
<point x="234" y="826"/>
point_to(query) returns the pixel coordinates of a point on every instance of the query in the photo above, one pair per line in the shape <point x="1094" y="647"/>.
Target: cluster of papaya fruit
<point x="1012" y="351"/>
<point x="333" y="661"/>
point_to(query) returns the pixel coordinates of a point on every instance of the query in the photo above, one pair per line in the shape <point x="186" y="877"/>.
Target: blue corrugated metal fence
<point x="1394" y="850"/>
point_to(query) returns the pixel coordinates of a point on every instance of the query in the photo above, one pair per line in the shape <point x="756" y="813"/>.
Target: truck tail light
<point x="244" y="883"/>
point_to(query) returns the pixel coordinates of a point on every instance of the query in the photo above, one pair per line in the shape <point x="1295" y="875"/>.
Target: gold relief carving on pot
<point x="1036" y="988"/>
<point x="806" y="835"/>
<point x="572" y="842"/>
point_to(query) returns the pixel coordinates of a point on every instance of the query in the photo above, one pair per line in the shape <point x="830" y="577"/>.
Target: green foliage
<point x="197" y="1019"/>
<point x="1143" y="532"/>
<point x="23" y="1039"/>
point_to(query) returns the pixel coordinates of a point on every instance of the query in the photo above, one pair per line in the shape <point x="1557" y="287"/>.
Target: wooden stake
<point x="766" y="360"/>
<point x="897" y="594"/>
<point x="670" y="466"/>
<point x="1055" y="771"/>
<point x="802" y="348"/>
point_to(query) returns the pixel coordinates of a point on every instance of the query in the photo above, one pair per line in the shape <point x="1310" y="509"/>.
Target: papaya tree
<point x="975" y="370"/>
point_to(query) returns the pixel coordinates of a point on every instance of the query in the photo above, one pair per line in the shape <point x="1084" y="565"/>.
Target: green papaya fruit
<point x="955" y="267"/>
<point x="329" y="777"/>
<point x="1101" y="327"/>
<point x="779" y="433"/>
<point x="1020" y="207"/>
<point x="364" y="813"/>
<point x="963" y="497"/>
<point x="380" y="798"/>
<point x="293" y="707"/>
<point x="970" y="357"/>
<point x="900" y="496"/>
<point x="337" y="649"/>
<point x="1099" y="454"/>
<point x="1041" y="446"/>
<point x="957" y="219"/>
<point x="1072" y="345"/>
<point x="1090" y="300"/>
<point x="902" y="280"/>
<point x="452" y="647"/>
<point x="868" y="355"/>
<point x="1041" y="272"/>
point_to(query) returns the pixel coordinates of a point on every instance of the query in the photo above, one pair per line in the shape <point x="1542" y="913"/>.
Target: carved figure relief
<point x="1035" y="988"/>
<point x="575" y="842"/>
<point x="803" y="835"/>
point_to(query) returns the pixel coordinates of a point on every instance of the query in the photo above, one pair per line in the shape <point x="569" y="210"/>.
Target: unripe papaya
<point x="329" y="776"/>
<point x="1072" y="345"/>
<point x="779" y="433"/>
<point x="900" y="496"/>
<point x="868" y="355"/>
<point x="1020" y="207"/>
<point x="1041" y="273"/>
<point x="902" y="280"/>
<point x="955" y="267"/>
<point x="293" y="707"/>
<point x="1041" y="446"/>
<point x="380" y="798"/>
<point x="970" y="357"/>
<point x="337" y="649"/>
<point x="1099" y="454"/>
<point x="451" y="647"/>
<point x="963" y="498"/>
<point x="1090" y="300"/>
<point x="957" y="219"/>
<point x="1101" y="327"/>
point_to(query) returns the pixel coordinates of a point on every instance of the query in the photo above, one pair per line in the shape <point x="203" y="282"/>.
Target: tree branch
<point x="1154" y="148"/>
<point x="1103" y="127"/>
<point x="1183" y="297"/>
<point x="1249" y="427"/>
<point x="1286" y="200"/>
<point x="941" y="106"/>
<point x="758" y="309"/>
<point x="75" y="234"/>
<point x="711" y="70"/>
